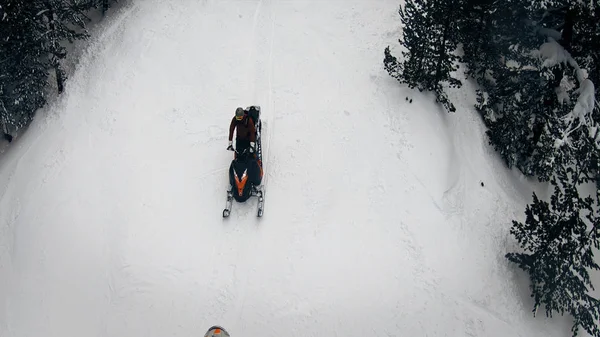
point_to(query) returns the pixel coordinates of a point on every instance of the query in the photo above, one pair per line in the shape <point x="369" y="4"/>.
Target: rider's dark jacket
<point x="245" y="129"/>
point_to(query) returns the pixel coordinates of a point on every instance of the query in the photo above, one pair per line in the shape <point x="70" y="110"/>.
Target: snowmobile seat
<point x="254" y="113"/>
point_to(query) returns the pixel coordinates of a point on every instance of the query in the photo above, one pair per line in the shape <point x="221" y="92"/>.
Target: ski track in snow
<point x="270" y="105"/>
<point x="375" y="221"/>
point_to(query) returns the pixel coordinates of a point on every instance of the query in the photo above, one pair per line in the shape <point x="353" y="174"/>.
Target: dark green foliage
<point x="527" y="99"/>
<point x="586" y="44"/>
<point x="24" y="66"/>
<point x="32" y="45"/>
<point x="477" y="38"/>
<point x="104" y="5"/>
<point x="521" y="110"/>
<point x="59" y="17"/>
<point x="491" y="33"/>
<point x="524" y="121"/>
<point x="558" y="239"/>
<point x="429" y="35"/>
<point x="533" y="130"/>
<point x="530" y="124"/>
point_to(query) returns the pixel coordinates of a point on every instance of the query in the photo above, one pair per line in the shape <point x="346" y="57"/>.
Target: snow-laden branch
<point x="553" y="33"/>
<point x="43" y="11"/>
<point x="553" y="54"/>
<point x="585" y="102"/>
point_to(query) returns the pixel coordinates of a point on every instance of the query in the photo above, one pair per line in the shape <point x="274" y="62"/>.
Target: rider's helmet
<point x="239" y="114"/>
<point x="216" y="331"/>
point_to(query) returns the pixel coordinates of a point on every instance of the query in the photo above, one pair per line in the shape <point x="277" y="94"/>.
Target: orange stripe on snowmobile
<point x="240" y="184"/>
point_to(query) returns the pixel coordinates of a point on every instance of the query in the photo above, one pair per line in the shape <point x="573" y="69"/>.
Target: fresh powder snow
<point x="382" y="217"/>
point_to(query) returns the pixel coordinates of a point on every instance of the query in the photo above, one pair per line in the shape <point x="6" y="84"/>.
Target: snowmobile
<point x="216" y="331"/>
<point x="246" y="171"/>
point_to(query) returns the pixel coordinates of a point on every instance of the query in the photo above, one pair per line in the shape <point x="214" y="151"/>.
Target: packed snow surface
<point x="376" y="221"/>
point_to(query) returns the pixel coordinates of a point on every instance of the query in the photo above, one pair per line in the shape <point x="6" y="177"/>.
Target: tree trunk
<point x="442" y="50"/>
<point x="104" y="7"/>
<point x="567" y="33"/>
<point x="4" y="121"/>
<point x="60" y="78"/>
<point x="60" y="75"/>
<point x="4" y="117"/>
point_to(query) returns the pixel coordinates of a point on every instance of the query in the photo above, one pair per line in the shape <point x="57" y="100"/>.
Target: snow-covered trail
<point x="374" y="222"/>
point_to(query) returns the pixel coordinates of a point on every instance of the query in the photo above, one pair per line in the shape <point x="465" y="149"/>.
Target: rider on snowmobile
<point x="246" y="131"/>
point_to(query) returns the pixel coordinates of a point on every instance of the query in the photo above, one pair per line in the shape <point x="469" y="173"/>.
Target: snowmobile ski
<point x="261" y="203"/>
<point x="260" y="194"/>
<point x="228" y="204"/>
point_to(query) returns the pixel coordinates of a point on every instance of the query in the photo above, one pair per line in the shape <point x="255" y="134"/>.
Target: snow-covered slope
<point x="375" y="221"/>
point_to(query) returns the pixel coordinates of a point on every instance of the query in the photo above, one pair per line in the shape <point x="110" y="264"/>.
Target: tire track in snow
<point x="271" y="102"/>
<point x="243" y="267"/>
<point x="251" y="57"/>
<point x="480" y="309"/>
<point x="115" y="280"/>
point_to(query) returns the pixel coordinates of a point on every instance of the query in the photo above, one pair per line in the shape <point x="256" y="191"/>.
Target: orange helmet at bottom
<point x="216" y="331"/>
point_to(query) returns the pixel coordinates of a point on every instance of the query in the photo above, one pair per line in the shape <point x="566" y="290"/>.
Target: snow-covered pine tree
<point x="481" y="51"/>
<point x="558" y="239"/>
<point x="539" y="67"/>
<point x="61" y="18"/>
<point x="514" y="106"/>
<point x="516" y="112"/>
<point x="574" y="89"/>
<point x="430" y="39"/>
<point x="493" y="34"/>
<point x="34" y="34"/>
<point x="586" y="49"/>
<point x="23" y="70"/>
